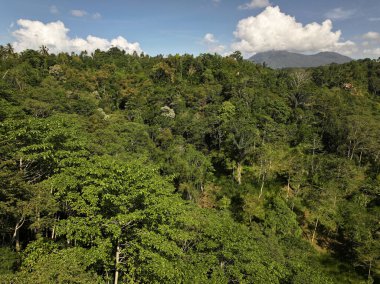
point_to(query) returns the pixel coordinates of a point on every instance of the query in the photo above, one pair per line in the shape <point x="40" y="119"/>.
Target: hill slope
<point x="285" y="59"/>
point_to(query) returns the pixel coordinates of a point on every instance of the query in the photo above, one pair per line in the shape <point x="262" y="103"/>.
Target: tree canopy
<point x="180" y="169"/>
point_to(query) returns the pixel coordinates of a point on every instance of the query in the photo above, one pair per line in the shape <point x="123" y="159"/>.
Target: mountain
<point x="285" y="59"/>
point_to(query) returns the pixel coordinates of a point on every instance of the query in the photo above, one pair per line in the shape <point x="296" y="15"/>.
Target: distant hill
<point x="285" y="59"/>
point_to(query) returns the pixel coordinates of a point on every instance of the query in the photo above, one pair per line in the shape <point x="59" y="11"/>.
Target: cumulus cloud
<point x="255" y="4"/>
<point x="78" y="13"/>
<point x="372" y="36"/>
<point x="274" y="30"/>
<point x="53" y="9"/>
<point x="373" y="52"/>
<point x="209" y="38"/>
<point x="213" y="45"/>
<point x="365" y="43"/>
<point x="339" y="14"/>
<point x="219" y="48"/>
<point x="371" y="45"/>
<point x="54" y="35"/>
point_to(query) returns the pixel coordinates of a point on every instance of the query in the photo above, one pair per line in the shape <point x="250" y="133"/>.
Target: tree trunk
<point x="353" y="151"/>
<point x="288" y="191"/>
<point x="239" y="170"/>
<point x="312" y="157"/>
<point x="262" y="186"/>
<point x="117" y="261"/>
<point x="53" y="231"/>
<point x="37" y="229"/>
<point x="5" y="74"/>
<point x="16" y="234"/>
<point x="17" y="241"/>
<point x="315" y="231"/>
<point x="369" y="271"/>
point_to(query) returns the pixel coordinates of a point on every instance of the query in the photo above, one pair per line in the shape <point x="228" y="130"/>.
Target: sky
<point x="350" y="27"/>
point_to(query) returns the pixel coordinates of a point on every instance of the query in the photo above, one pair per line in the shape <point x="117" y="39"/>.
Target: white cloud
<point x="372" y="36"/>
<point x="372" y="53"/>
<point x="212" y="44"/>
<point x="54" y="35"/>
<point x="274" y="30"/>
<point x="255" y="4"/>
<point x="339" y="14"/>
<point x="220" y="49"/>
<point x="96" y="16"/>
<point x="371" y="45"/>
<point x="376" y="19"/>
<point x="209" y="38"/>
<point x="78" y="13"/>
<point x="365" y="43"/>
<point x="53" y="9"/>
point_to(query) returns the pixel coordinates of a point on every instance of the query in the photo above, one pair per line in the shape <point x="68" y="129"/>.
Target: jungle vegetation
<point x="118" y="168"/>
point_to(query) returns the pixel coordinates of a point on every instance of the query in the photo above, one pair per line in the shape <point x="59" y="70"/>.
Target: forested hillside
<point x="118" y="168"/>
<point x="284" y="59"/>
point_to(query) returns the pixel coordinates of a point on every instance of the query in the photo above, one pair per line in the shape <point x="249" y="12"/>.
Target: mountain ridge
<point x="285" y="59"/>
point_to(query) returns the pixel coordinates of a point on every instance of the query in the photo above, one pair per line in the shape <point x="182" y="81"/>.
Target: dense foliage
<point x="186" y="169"/>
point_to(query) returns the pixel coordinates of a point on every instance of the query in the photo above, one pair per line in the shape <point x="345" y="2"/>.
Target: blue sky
<point x="196" y="26"/>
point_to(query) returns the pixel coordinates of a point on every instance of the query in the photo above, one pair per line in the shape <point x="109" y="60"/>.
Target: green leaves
<point x="109" y="157"/>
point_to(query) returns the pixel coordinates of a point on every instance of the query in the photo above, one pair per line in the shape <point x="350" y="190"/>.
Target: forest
<point x="130" y="168"/>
